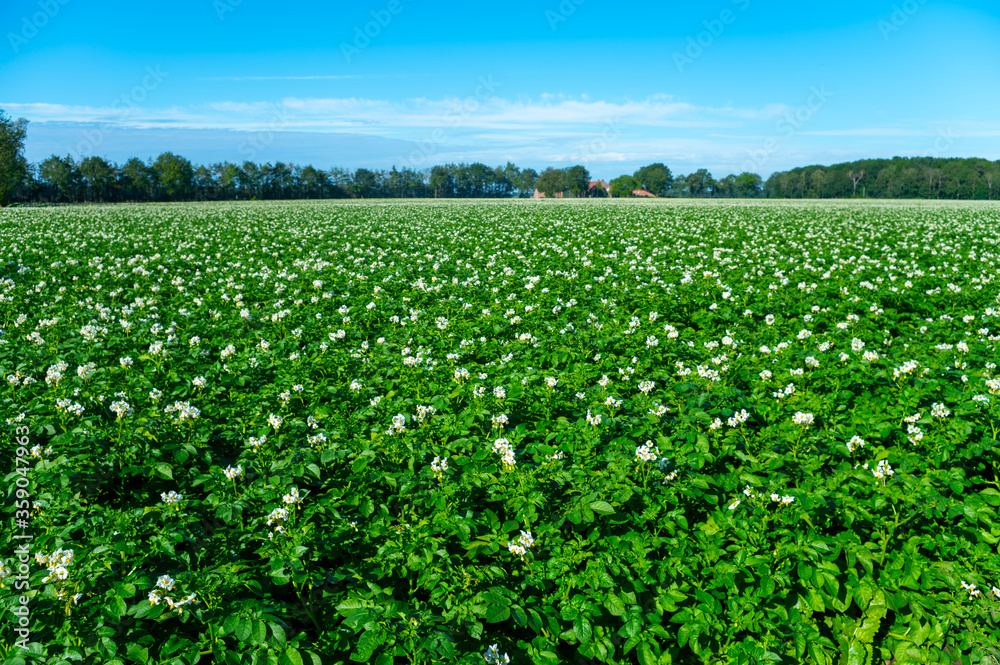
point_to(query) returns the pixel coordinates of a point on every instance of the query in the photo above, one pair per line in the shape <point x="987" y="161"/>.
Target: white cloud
<point x="337" y="114"/>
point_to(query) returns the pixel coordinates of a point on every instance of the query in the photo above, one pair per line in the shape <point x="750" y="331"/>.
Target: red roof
<point x="643" y="192"/>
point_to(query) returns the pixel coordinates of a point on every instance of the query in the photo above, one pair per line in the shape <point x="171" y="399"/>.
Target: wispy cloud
<point x="338" y="114"/>
<point x="323" y="77"/>
<point x="544" y="130"/>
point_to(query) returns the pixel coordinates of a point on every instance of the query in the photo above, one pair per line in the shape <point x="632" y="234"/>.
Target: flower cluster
<point x="975" y="592"/>
<point x="738" y="419"/>
<point x="172" y="498"/>
<point x="398" y="425"/>
<point x="762" y="499"/>
<point x="906" y="369"/>
<point x="56" y="563"/>
<point x="781" y="394"/>
<point x="658" y="410"/>
<point x="292" y="497"/>
<point x="523" y="543"/>
<point x="121" y="409"/>
<point x="939" y="410"/>
<point x="278" y="517"/>
<point x="63" y="404"/>
<point x="506" y="452"/>
<point x="493" y="656"/>
<point x="164" y="584"/>
<point x="184" y="411"/>
<point x="804" y="419"/>
<point x="647" y="452"/>
<point x="882" y="470"/>
<point x="439" y="466"/>
<point x="424" y="412"/>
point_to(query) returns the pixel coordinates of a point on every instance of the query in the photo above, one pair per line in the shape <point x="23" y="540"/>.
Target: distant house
<point x="558" y="195"/>
<point x="643" y="192"/>
<point x="570" y="195"/>
<point x="594" y="183"/>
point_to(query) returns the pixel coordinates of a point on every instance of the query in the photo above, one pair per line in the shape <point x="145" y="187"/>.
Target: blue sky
<point x="728" y="85"/>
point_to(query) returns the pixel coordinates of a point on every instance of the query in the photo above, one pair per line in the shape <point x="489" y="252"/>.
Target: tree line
<point x="896" y="178"/>
<point x="171" y="177"/>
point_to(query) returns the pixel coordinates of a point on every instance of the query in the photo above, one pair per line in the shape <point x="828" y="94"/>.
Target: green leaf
<point x="370" y="640"/>
<point x="646" y="656"/>
<point x="164" y="470"/>
<point x="602" y="507"/>
<point x="350" y="604"/>
<point x="229" y="625"/>
<point x="137" y="653"/>
<point x="497" y="613"/>
<point x="614" y="605"/>
<point x="243" y="630"/>
<point x="293" y="656"/>
<point x="258" y="632"/>
<point x="582" y="628"/>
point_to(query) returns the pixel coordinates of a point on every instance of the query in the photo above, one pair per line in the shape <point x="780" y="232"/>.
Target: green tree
<point x="60" y="177"/>
<point x="227" y="175"/>
<point x="551" y="181"/>
<point x="203" y="184"/>
<point x="818" y="178"/>
<point x="748" y="185"/>
<point x="623" y="185"/>
<point x="13" y="166"/>
<point x="526" y="182"/>
<point x="364" y="183"/>
<point x="700" y="183"/>
<point x="136" y="181"/>
<point x="99" y="178"/>
<point x="577" y="180"/>
<point x="726" y="187"/>
<point x="442" y="181"/>
<point x="174" y="176"/>
<point x="654" y="178"/>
